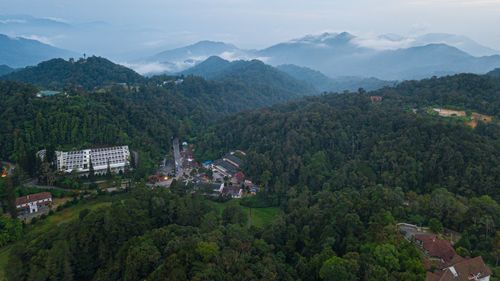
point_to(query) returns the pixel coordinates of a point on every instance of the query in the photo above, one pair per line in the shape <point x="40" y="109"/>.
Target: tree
<point x="207" y="250"/>
<point x="386" y="256"/>
<point x="10" y="196"/>
<point x="234" y="214"/>
<point x="435" y="225"/>
<point x="108" y="170"/>
<point x="91" y="169"/>
<point x="58" y="262"/>
<point x="339" y="269"/>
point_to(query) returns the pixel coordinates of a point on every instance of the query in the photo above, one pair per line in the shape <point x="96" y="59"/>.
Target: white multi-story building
<point x="118" y="158"/>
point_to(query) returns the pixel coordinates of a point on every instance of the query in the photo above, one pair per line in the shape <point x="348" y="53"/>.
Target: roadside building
<point x="33" y="203"/>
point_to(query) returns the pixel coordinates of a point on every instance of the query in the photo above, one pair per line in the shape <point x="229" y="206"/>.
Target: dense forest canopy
<point x="145" y="117"/>
<point x="343" y="169"/>
<point x="88" y="73"/>
<point x="334" y="141"/>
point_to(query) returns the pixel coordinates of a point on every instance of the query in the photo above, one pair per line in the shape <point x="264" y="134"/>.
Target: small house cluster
<point x="440" y="259"/>
<point x="33" y="203"/>
<point x="227" y="172"/>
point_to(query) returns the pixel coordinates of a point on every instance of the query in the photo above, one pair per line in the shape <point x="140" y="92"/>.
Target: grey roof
<point x="234" y="159"/>
<point x="230" y="168"/>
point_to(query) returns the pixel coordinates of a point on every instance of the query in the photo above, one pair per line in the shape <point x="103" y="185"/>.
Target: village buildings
<point x="440" y="259"/>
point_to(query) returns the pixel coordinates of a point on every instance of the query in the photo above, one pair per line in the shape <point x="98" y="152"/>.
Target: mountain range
<point x="306" y="79"/>
<point x="20" y="52"/>
<point x="387" y="57"/>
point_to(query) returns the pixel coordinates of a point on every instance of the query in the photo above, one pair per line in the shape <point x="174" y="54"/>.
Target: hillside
<point x="386" y="142"/>
<point x="340" y="169"/>
<point x="86" y="73"/>
<point x="495" y="73"/>
<point x="324" y="83"/>
<point x="145" y="118"/>
<point x="255" y="75"/>
<point x="5" y="69"/>
<point x="21" y="52"/>
<point x="211" y="68"/>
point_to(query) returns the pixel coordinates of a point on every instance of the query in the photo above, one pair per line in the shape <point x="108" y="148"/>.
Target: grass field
<point x="52" y="221"/>
<point x="259" y="217"/>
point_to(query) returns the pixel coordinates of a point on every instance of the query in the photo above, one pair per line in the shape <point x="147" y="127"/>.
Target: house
<point x="239" y="177"/>
<point x="466" y="270"/>
<point x="232" y="191"/>
<point x="33" y="203"/>
<point x="115" y="158"/>
<point x="375" y="99"/>
<point x="437" y="249"/>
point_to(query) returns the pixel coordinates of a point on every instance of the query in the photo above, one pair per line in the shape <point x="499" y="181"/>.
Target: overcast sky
<point x="259" y="23"/>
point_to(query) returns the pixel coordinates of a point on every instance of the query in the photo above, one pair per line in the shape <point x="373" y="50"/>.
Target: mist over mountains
<point x="388" y="57"/>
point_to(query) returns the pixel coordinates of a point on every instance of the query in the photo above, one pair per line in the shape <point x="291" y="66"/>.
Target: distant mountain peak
<point x="21" y="52"/>
<point x="325" y="37"/>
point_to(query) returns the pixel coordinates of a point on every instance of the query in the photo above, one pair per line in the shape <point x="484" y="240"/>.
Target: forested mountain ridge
<point x="253" y="74"/>
<point x="343" y="169"/>
<point x="5" y="69"/>
<point x="322" y="142"/>
<point x="324" y="83"/>
<point x="495" y="73"/>
<point x="146" y="117"/>
<point x="87" y="73"/>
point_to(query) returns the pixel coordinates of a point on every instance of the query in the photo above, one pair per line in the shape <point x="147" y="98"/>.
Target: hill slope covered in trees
<point x="342" y="168"/>
<point x="252" y="74"/>
<point x="322" y="141"/>
<point x="87" y="73"/>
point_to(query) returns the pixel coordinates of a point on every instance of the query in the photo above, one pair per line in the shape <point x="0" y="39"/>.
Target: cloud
<point x="384" y="42"/>
<point x="8" y="21"/>
<point x="232" y="56"/>
<point x="148" y="68"/>
<point x="43" y="39"/>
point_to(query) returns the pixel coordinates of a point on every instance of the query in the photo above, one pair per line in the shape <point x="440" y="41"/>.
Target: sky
<point x="134" y="27"/>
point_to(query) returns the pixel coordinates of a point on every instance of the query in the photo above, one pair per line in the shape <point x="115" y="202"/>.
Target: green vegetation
<point x="89" y="73"/>
<point x="258" y="217"/>
<point x="32" y="232"/>
<point x="337" y="173"/>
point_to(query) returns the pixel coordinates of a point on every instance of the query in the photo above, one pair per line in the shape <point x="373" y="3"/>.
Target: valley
<point x="249" y="141"/>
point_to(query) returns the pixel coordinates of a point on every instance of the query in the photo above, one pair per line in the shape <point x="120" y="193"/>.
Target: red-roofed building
<point x="466" y="270"/>
<point x="436" y="248"/>
<point x="31" y="203"/>
<point x="240" y="177"/>
<point x="376" y="99"/>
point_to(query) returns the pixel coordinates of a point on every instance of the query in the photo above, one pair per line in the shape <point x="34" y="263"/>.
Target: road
<point x="178" y="159"/>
